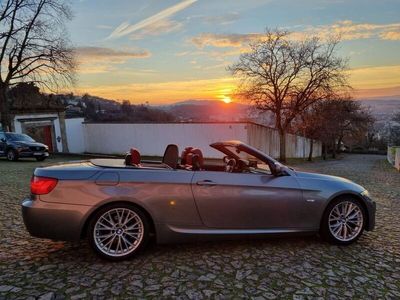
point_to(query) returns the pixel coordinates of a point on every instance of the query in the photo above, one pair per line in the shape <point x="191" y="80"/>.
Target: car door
<point x="248" y="200"/>
<point x="2" y="144"/>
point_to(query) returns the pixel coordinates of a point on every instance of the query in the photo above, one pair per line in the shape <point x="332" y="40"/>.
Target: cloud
<point x="126" y="28"/>
<point x="375" y="77"/>
<point x="390" y="35"/>
<point x="100" y="60"/>
<point x="346" y="29"/>
<point x="222" y="19"/>
<point x="101" y="52"/>
<point x="379" y="92"/>
<point x="219" y="19"/>
<point x="157" y="28"/>
<point x="224" y="40"/>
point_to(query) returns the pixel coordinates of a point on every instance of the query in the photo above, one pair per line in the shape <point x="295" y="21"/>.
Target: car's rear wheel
<point x="344" y="221"/>
<point x="118" y="231"/>
<point x="12" y="155"/>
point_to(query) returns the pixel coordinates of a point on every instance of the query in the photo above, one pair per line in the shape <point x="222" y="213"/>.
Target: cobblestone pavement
<point x="291" y="268"/>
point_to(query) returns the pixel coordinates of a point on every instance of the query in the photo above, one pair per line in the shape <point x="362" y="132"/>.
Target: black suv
<point x="16" y="145"/>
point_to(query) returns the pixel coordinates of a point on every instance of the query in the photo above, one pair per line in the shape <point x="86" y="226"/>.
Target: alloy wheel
<point x="10" y="155"/>
<point x="345" y="221"/>
<point x="118" y="232"/>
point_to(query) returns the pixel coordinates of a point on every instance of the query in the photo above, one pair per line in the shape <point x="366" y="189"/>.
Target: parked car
<point x="16" y="145"/>
<point x="120" y="204"/>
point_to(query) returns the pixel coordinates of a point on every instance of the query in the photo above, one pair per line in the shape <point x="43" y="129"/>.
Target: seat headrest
<point x="196" y="163"/>
<point x="192" y="157"/>
<point x="171" y="156"/>
<point x="197" y="158"/>
<point x="184" y="155"/>
<point x="135" y="157"/>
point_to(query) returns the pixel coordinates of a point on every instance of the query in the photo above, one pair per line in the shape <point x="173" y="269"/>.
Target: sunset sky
<point x="170" y="50"/>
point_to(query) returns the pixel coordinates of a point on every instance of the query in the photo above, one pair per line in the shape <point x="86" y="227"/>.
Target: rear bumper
<point x="54" y="220"/>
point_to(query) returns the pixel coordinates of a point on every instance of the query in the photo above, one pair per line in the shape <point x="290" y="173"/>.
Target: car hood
<point x="320" y="176"/>
<point x="28" y="144"/>
<point x="344" y="182"/>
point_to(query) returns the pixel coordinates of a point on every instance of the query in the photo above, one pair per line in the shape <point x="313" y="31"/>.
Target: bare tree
<point x="34" y="47"/>
<point x="334" y="120"/>
<point x="309" y="125"/>
<point x="286" y="76"/>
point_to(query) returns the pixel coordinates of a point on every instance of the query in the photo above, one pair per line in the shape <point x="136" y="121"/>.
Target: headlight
<point x="20" y="148"/>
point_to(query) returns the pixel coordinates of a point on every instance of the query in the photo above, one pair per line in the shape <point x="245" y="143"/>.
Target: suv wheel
<point x="12" y="155"/>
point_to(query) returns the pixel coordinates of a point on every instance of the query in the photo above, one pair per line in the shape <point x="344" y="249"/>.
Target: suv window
<point x="2" y="136"/>
<point x="17" y="137"/>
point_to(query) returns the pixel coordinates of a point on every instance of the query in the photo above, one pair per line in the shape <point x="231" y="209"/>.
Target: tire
<point x="12" y="155"/>
<point x="344" y="221"/>
<point x="40" y="158"/>
<point x="117" y="244"/>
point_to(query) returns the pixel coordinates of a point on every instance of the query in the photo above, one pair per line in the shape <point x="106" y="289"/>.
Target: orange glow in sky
<point x="171" y="51"/>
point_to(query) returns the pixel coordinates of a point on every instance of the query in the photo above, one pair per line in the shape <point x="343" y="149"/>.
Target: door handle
<point x="206" y="182"/>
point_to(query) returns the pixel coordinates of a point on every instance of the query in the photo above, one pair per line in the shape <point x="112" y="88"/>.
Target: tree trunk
<point x="333" y="149"/>
<point x="339" y="143"/>
<point x="311" y="150"/>
<point x="282" y="146"/>
<point x="4" y="109"/>
<point x="324" y="151"/>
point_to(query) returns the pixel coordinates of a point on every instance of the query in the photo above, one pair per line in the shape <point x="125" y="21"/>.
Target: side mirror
<point x="3" y="140"/>
<point x="280" y="170"/>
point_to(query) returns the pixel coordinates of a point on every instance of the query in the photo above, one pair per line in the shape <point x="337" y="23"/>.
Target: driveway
<point x="292" y="268"/>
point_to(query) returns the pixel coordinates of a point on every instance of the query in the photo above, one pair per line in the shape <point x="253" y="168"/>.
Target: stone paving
<point x="290" y="268"/>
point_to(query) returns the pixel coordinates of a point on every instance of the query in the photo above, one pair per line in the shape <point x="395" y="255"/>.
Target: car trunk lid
<point x="73" y="170"/>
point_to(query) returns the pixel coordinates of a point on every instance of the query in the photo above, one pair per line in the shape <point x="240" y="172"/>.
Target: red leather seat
<point x="184" y="155"/>
<point x="197" y="159"/>
<point x="192" y="158"/>
<point x="134" y="157"/>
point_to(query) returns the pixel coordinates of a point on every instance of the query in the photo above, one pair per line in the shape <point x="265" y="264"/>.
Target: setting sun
<point x="227" y="99"/>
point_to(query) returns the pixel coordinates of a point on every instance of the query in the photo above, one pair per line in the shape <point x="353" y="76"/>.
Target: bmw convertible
<point x="120" y="204"/>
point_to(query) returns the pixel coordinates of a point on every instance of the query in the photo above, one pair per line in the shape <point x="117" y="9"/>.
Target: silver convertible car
<point x="120" y="204"/>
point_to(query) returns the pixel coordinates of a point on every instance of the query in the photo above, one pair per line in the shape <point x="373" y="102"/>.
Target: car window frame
<point x="222" y="147"/>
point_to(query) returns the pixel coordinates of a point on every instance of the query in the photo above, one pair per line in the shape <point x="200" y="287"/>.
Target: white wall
<point x="267" y="140"/>
<point x="152" y="139"/>
<point x="75" y="135"/>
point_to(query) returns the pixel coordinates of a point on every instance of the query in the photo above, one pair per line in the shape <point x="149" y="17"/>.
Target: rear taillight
<point x="42" y="185"/>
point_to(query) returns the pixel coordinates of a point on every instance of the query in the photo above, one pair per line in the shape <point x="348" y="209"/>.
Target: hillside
<point x="382" y="108"/>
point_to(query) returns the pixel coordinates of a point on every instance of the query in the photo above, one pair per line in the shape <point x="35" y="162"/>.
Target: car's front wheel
<point x="12" y="155"/>
<point x="118" y="231"/>
<point x="343" y="221"/>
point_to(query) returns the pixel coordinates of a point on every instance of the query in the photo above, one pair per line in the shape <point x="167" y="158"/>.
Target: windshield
<point x="17" y="137"/>
<point x="255" y="164"/>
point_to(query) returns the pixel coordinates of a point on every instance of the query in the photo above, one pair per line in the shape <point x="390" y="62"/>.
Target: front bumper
<point x="54" y="220"/>
<point x="371" y="211"/>
<point x="33" y="154"/>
